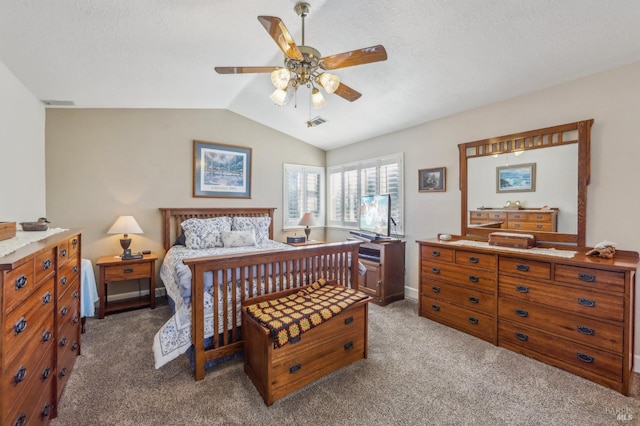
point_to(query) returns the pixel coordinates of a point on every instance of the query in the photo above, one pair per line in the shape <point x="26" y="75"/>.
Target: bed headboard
<point x="173" y="217"/>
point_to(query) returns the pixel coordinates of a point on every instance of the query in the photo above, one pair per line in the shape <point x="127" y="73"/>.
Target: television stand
<point x="384" y="262"/>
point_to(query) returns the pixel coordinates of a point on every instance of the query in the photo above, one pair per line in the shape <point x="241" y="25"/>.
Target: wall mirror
<point x="533" y="182"/>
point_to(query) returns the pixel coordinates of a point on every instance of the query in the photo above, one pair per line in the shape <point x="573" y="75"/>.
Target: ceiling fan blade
<point x="347" y="92"/>
<point x="244" y="70"/>
<point x="355" y="57"/>
<point x="279" y="33"/>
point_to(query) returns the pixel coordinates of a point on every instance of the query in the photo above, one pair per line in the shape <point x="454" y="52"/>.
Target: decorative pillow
<point x="205" y="233"/>
<point x="238" y="238"/>
<point x="259" y="226"/>
<point x="181" y="241"/>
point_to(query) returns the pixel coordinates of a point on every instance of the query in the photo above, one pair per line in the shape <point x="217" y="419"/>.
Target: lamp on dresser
<point x="125" y="225"/>
<point x="307" y="220"/>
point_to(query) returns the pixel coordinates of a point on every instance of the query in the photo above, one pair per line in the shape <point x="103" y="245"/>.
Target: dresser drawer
<point x="582" y="329"/>
<point x="69" y="307"/>
<point x="480" y="279"/>
<point x="436" y="253"/>
<point x="588" y="277"/>
<point x="525" y="267"/>
<point x="531" y="226"/>
<point x="469" y="298"/>
<point x="478" y="215"/>
<point x="68" y="275"/>
<point x="45" y="264"/>
<point x="478" y="260"/>
<point x="74" y="246"/>
<point x="471" y="322"/>
<point x="565" y="351"/>
<point x="579" y="301"/>
<point x="127" y="272"/>
<point x="66" y="360"/>
<point x="497" y="216"/>
<point x="18" y="284"/>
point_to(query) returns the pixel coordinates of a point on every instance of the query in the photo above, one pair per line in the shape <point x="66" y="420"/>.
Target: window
<point x="303" y="192"/>
<point x="348" y="182"/>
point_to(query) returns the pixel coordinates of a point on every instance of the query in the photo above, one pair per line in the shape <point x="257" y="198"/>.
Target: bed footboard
<point x="237" y="277"/>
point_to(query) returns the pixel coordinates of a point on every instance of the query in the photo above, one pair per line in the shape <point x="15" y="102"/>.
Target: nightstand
<point x="113" y="269"/>
<point x="306" y="243"/>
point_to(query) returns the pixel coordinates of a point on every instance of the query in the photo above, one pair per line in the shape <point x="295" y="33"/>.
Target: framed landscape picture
<point x="432" y="180"/>
<point x="516" y="178"/>
<point x="221" y="170"/>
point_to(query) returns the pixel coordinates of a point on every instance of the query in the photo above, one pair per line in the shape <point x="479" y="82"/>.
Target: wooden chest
<point x="508" y="239"/>
<point x="277" y="372"/>
<point x="7" y="230"/>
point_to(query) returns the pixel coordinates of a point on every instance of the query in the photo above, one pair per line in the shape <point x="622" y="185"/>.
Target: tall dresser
<point x="575" y="313"/>
<point x="40" y="319"/>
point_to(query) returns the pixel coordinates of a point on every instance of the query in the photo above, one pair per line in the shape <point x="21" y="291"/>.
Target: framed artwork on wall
<point x="516" y="178"/>
<point x="221" y="170"/>
<point x="432" y="180"/>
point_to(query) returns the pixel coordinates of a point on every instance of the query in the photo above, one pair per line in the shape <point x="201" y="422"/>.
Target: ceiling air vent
<point x="316" y="121"/>
<point x="57" y="103"/>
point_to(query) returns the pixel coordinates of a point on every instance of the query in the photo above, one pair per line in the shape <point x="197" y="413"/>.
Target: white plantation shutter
<point x="303" y="192"/>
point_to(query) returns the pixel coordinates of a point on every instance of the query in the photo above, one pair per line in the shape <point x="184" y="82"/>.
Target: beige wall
<point x="102" y="163"/>
<point x="611" y="98"/>
<point x="22" y="152"/>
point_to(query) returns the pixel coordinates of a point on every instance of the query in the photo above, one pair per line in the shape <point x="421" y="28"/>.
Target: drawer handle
<point x="587" y="277"/>
<point x="539" y="217"/>
<point x="587" y="302"/>
<point x="435" y="270"/>
<point x="348" y="345"/>
<point x="63" y="253"/>
<point x="586" y="330"/>
<point x="20" y="375"/>
<point x="348" y="320"/>
<point x="19" y="326"/>
<point x="473" y="320"/>
<point x="75" y="320"/>
<point x="435" y="253"/>
<point x="522" y="289"/>
<point x="46" y="264"/>
<point x="474" y="279"/>
<point x="128" y="270"/>
<point x="585" y="358"/>
<point x="435" y="289"/>
<point x="521" y="313"/>
<point x="75" y="268"/>
<point x="75" y="346"/>
<point x="46" y="410"/>
<point x="294" y="339"/>
<point x="64" y="311"/>
<point x="46" y="336"/>
<point x="521" y="267"/>
<point x="63" y="342"/>
<point x="63" y="372"/>
<point x="539" y="226"/>
<point x="21" y="281"/>
<point x="474" y="260"/>
<point x="516" y="225"/>
<point x="21" y="420"/>
<point x="76" y="294"/>
<point x="45" y="373"/>
<point x="295" y="368"/>
<point x="521" y="336"/>
<point x="473" y="299"/>
<point x="435" y="307"/>
<point x="46" y="298"/>
<point x="63" y="280"/>
<point x="74" y="243"/>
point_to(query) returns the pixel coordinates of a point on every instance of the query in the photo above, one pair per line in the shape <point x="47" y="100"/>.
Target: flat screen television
<point x="375" y="214"/>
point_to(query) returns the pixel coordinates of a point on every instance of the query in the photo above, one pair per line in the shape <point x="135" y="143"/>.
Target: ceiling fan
<point x="304" y="66"/>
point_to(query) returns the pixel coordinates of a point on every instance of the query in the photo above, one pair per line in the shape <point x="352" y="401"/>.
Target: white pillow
<point x="205" y="233"/>
<point x="238" y="238"/>
<point x="258" y="225"/>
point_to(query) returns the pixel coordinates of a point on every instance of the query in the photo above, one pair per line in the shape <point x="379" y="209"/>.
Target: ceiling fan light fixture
<point x="330" y="82"/>
<point x="279" y="97"/>
<point x="317" y="100"/>
<point x="280" y="78"/>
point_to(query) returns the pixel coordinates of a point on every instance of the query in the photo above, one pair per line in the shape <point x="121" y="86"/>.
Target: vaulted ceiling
<point x="444" y="56"/>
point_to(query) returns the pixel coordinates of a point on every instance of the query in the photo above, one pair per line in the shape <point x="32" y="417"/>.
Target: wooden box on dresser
<point x="576" y="313"/>
<point x="40" y="317"/>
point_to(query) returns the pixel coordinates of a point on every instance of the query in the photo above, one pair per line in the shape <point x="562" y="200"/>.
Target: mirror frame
<point x="547" y="137"/>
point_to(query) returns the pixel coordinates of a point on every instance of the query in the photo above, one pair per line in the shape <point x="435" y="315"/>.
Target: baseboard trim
<point x="411" y="293"/>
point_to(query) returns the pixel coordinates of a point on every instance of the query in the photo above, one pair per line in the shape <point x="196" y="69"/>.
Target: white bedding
<point x="174" y="338"/>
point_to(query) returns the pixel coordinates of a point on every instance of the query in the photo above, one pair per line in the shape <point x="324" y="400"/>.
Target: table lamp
<point x="125" y="225"/>
<point x="307" y="220"/>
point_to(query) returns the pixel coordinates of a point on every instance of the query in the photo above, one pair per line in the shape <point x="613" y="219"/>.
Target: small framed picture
<point x="516" y="178"/>
<point x="432" y="180"/>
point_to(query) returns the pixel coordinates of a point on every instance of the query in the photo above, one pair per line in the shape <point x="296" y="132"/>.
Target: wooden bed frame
<point x="295" y="268"/>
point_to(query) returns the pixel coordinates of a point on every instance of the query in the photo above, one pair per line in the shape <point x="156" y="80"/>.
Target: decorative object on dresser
<point x="40" y="225"/>
<point x="115" y="269"/>
<point x="7" y="230"/>
<point x="384" y="276"/>
<point x="125" y="225"/>
<point x="508" y="239"/>
<point x="307" y="220"/>
<point x="432" y="180"/>
<point x="281" y="359"/>
<point x="40" y="320"/>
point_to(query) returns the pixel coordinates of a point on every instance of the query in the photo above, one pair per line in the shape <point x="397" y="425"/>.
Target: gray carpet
<point x="418" y="372"/>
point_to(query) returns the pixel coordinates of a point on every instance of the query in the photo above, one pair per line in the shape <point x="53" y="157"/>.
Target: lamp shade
<point x="330" y="82"/>
<point x="125" y="225"/>
<point x="317" y="100"/>
<point x="307" y="220"/>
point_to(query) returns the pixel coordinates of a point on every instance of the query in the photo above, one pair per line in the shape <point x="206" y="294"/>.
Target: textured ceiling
<point x="445" y="56"/>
